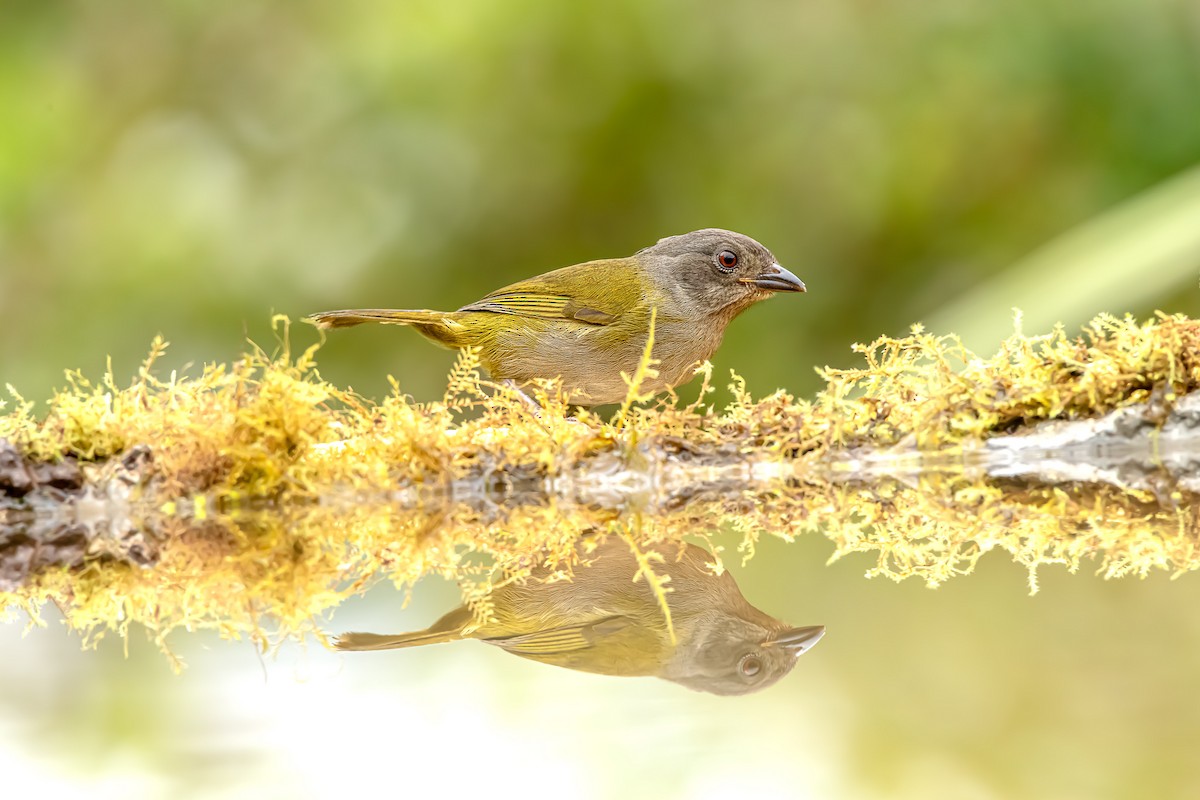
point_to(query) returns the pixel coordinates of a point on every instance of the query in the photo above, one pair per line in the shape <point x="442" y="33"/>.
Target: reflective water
<point x="975" y="689"/>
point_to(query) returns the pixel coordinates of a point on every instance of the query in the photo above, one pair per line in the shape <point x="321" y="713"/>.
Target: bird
<point x="589" y="323"/>
<point x="606" y="620"/>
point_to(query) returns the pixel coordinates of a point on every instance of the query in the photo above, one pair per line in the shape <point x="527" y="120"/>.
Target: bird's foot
<point x="528" y="401"/>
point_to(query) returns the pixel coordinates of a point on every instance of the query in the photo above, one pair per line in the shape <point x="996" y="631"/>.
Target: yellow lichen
<point x="272" y="495"/>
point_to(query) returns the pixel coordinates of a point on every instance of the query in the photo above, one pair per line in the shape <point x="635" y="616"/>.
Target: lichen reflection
<point x="605" y="621"/>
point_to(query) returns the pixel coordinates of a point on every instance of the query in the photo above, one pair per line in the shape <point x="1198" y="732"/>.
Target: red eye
<point x="727" y="260"/>
<point x="750" y="666"/>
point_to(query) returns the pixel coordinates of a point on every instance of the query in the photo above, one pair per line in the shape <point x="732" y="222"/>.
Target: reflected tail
<point x="447" y="629"/>
<point x="392" y="641"/>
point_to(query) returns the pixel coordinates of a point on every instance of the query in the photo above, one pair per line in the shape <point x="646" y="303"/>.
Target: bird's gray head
<point x="729" y="655"/>
<point x="717" y="272"/>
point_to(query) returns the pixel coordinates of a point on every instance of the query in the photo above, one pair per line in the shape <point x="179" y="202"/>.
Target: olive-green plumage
<point x="588" y="323"/>
<point x="605" y="621"/>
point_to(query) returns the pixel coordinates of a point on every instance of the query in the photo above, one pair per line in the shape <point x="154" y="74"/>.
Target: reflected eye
<point x="727" y="260"/>
<point x="749" y="666"/>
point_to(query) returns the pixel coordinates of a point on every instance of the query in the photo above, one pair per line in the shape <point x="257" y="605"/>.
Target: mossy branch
<point x="253" y="497"/>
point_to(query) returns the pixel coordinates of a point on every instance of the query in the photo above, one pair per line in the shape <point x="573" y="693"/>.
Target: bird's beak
<point x="776" y="279"/>
<point x="798" y="640"/>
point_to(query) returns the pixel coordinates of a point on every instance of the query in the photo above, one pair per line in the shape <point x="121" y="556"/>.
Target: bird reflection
<point x="604" y="621"/>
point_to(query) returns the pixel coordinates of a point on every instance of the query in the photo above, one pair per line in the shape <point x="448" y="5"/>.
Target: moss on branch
<point x="253" y="497"/>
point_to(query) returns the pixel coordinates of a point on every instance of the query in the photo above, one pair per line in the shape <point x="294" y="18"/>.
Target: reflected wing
<point x="567" y="639"/>
<point x="595" y="293"/>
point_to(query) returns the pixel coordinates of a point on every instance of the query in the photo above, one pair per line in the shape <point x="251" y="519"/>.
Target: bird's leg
<point x="529" y="402"/>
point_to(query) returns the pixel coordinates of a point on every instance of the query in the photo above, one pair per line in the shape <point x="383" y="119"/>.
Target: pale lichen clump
<point x="269" y="495"/>
<point x="937" y="391"/>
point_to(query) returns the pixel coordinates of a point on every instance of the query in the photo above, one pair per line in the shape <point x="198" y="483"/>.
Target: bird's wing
<point x="567" y="639"/>
<point x="595" y="293"/>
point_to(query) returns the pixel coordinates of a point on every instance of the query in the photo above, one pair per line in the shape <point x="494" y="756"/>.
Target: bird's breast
<point x="591" y="358"/>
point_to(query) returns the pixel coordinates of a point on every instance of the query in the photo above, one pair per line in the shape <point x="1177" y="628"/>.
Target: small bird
<point x="589" y="322"/>
<point x="603" y="621"/>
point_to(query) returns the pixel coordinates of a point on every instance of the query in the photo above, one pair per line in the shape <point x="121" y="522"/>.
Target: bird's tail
<point x="357" y="316"/>
<point x="440" y="326"/>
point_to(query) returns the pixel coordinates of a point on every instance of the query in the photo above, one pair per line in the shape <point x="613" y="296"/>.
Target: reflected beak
<point x="798" y="640"/>
<point x="776" y="279"/>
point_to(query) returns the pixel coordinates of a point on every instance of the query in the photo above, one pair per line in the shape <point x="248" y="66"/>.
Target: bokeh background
<point x="187" y="168"/>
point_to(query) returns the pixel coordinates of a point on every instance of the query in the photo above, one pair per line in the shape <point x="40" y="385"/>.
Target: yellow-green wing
<point x="595" y="293"/>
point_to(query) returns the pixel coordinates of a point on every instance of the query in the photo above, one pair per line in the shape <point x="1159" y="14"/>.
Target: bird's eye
<point x="749" y="666"/>
<point x="727" y="260"/>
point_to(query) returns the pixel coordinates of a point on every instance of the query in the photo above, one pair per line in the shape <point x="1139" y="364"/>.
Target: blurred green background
<point x="187" y="168"/>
